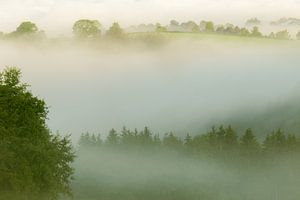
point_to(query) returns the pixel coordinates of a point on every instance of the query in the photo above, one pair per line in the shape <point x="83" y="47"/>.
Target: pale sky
<point x="57" y="16"/>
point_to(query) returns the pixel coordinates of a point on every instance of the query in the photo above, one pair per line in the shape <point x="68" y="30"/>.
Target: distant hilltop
<point x="286" y="21"/>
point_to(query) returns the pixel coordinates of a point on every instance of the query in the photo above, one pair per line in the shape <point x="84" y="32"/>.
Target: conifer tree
<point x="112" y="138"/>
<point x="249" y="144"/>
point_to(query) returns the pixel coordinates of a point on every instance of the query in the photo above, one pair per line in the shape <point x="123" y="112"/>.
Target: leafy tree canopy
<point x="174" y="23"/>
<point x="283" y="35"/>
<point x="209" y="27"/>
<point x="160" y="28"/>
<point x="255" y="32"/>
<point x="85" y="28"/>
<point x="253" y="21"/>
<point x="115" y="31"/>
<point x="27" y="28"/>
<point x="34" y="164"/>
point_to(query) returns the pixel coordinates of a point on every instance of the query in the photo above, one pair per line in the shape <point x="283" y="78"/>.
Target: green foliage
<point x="90" y="140"/>
<point x="253" y="21"/>
<point x="27" y="28"/>
<point x="230" y="29"/>
<point x="112" y="138"/>
<point x="223" y="142"/>
<point x="209" y="27"/>
<point x="160" y="28"/>
<point x="275" y="142"/>
<point x="230" y="138"/>
<point x="190" y="26"/>
<point x="174" y="23"/>
<point x="244" y="32"/>
<point x="115" y="31"/>
<point x="171" y="141"/>
<point x="283" y="35"/>
<point x="85" y="28"/>
<point x="218" y="164"/>
<point x="255" y="32"/>
<point x="272" y="35"/>
<point x="220" y="29"/>
<point x="34" y="163"/>
<point x="188" y="139"/>
<point x="248" y="140"/>
<point x="249" y="145"/>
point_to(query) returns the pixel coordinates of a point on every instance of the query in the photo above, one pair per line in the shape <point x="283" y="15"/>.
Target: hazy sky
<point x="57" y="15"/>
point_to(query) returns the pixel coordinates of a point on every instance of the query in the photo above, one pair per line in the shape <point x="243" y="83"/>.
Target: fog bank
<point x="183" y="86"/>
<point x="109" y="174"/>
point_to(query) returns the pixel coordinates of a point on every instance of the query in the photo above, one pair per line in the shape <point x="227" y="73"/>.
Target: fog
<point x="181" y="82"/>
<point x="57" y="16"/>
<point x="183" y="86"/>
<point x="155" y="110"/>
<point x="109" y="174"/>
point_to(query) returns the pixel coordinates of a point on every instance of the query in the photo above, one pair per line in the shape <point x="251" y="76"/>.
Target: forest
<point x="220" y="164"/>
<point x="215" y="104"/>
<point x="215" y="143"/>
<point x="136" y="164"/>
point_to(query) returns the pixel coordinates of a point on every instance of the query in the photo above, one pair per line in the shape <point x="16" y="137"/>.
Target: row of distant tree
<point x="218" y="141"/>
<point x="81" y="29"/>
<point x="210" y="27"/>
<point x="282" y="21"/>
<point x="86" y="28"/>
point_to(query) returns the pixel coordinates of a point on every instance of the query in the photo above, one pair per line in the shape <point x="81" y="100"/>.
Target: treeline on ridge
<point x="92" y="29"/>
<point x="217" y="142"/>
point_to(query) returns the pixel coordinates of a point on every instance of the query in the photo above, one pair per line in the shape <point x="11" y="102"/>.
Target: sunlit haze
<point x="57" y="16"/>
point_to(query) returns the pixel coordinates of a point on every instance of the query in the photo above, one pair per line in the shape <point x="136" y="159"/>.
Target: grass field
<point x="215" y="37"/>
